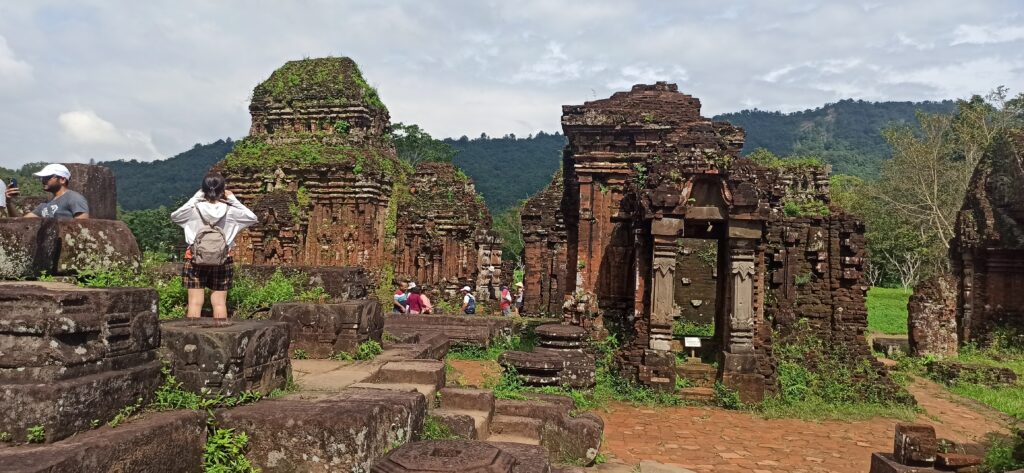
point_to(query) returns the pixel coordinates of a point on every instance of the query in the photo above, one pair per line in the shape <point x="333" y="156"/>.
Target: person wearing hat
<point x="66" y="203"/>
<point x="506" y="301"/>
<point x="468" y="301"/>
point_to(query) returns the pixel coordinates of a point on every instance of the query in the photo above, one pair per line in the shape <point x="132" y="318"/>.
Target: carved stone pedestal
<point x="325" y="329"/>
<point x="561" y="359"/>
<point x="248" y="355"/>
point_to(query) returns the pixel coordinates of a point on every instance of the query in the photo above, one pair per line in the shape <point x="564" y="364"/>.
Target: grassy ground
<point x="887" y="310"/>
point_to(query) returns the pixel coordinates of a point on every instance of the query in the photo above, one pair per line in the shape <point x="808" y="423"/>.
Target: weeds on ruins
<point x="225" y="452"/>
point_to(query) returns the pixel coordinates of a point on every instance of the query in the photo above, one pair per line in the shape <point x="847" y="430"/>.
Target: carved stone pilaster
<point x="741" y="301"/>
<point x="664" y="231"/>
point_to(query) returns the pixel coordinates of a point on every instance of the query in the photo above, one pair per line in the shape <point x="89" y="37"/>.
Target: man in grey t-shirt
<point x="66" y="203"/>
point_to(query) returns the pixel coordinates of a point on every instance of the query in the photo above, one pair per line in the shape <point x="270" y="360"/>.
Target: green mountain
<point x="147" y="185"/>
<point x="846" y="134"/>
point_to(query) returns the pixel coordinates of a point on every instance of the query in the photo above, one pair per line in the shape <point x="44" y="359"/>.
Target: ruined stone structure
<point x="320" y="171"/>
<point x="931" y="317"/>
<point x="31" y="247"/>
<point x="563" y="357"/>
<point x="916" y="449"/>
<point x="987" y="251"/>
<point x="644" y="172"/>
<point x="72" y="355"/>
<point x="545" y="244"/>
<point x="443" y="234"/>
<point x="322" y="330"/>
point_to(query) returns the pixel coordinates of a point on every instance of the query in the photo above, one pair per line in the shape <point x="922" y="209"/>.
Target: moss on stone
<point x="330" y="79"/>
<point x="254" y="153"/>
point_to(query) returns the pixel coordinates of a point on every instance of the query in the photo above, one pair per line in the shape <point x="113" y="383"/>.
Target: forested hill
<point x="509" y="169"/>
<point x="146" y="185"/>
<point x="846" y="134"/>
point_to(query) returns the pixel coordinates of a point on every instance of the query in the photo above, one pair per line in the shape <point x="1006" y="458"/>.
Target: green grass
<point x="887" y="310"/>
<point x="1008" y="400"/>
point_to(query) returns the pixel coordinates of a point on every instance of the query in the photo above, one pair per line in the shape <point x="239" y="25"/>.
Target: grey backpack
<point x="211" y="246"/>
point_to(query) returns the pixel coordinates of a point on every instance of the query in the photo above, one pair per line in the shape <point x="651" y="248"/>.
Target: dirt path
<point x="473" y="373"/>
<point x="706" y="439"/>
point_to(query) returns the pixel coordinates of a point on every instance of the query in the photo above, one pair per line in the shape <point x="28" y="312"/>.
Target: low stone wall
<point x="460" y="329"/>
<point x="322" y="330"/>
<point x="952" y="372"/>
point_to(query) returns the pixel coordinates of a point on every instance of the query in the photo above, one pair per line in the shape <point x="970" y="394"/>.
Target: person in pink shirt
<point x="415" y="300"/>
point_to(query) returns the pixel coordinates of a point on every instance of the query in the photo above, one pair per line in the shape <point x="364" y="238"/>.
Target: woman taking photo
<point x="211" y="219"/>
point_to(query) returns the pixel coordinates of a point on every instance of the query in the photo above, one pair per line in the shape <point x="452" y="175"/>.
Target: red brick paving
<point x="706" y="439"/>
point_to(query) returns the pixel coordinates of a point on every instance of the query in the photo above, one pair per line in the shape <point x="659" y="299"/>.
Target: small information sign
<point x="691" y="342"/>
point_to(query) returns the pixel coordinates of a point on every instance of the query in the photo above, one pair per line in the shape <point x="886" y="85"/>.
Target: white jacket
<point x="231" y="217"/>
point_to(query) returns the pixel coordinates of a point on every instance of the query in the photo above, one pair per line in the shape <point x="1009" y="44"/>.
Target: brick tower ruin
<point x="320" y="171"/>
<point x="646" y="181"/>
<point x="988" y="250"/>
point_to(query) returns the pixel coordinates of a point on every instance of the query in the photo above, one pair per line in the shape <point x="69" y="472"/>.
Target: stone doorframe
<point x="738" y="365"/>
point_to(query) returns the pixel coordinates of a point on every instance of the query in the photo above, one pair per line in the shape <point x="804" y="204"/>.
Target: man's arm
<point x="81" y="215"/>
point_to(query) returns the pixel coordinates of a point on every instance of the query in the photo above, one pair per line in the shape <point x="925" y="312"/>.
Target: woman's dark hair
<point x="417" y="290"/>
<point x="213" y="186"/>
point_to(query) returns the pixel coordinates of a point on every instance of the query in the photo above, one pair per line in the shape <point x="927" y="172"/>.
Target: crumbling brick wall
<point x="544" y="252"/>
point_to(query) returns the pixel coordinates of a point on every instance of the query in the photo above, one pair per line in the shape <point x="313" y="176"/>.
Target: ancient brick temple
<point x="646" y="181"/>
<point x="444" y="237"/>
<point x="321" y="173"/>
<point x="988" y="250"/>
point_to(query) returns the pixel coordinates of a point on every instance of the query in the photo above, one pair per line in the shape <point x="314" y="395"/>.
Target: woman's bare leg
<point x="219" y="300"/>
<point x="195" y="303"/>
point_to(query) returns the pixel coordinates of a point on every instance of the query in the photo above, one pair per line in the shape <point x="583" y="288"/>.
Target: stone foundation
<point x="561" y="359"/>
<point x="248" y="355"/>
<point x="74" y="355"/>
<point x="157" y="442"/>
<point x="322" y="330"/>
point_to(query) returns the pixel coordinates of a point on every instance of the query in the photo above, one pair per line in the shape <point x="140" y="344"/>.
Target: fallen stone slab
<point x="886" y="463"/>
<point x="321" y="330"/>
<point x="319" y="432"/>
<point x="247" y="355"/>
<point x="471" y="330"/>
<point x="156" y="442"/>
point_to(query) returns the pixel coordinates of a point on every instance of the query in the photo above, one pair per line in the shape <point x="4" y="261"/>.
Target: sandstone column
<point x="740" y="368"/>
<point x="664" y="231"/>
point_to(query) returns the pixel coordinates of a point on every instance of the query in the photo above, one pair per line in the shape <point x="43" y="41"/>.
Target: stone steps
<point x="508" y="438"/>
<point x="505" y="426"/>
<point x="700" y="375"/>
<point x="698" y="395"/>
<point x="427" y="390"/>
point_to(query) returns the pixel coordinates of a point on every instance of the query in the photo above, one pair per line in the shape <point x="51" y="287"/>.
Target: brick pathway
<point x="706" y="439"/>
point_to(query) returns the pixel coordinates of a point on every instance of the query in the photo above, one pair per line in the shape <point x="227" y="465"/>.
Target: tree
<point x="509" y="227"/>
<point x="154" y="230"/>
<point x="416" y="146"/>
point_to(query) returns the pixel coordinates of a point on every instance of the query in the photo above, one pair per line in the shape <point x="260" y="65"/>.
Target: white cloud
<point x="987" y="34"/>
<point x="962" y="79"/>
<point x="13" y="71"/>
<point x="905" y="40"/>
<point x="647" y="74"/>
<point x="90" y="136"/>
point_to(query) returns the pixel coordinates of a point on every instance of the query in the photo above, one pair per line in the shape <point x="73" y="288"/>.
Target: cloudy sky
<point x="83" y="79"/>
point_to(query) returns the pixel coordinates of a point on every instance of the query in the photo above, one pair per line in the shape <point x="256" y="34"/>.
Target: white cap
<point x="54" y="170"/>
<point x="466" y="289"/>
<point x="411" y="285"/>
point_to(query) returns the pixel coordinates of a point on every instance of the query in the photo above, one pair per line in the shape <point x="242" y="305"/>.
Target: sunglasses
<point x="46" y="179"/>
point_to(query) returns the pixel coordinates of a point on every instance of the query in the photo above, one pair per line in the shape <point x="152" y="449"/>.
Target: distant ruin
<point x="987" y="251"/>
<point x="320" y="171"/>
<point x="646" y="183"/>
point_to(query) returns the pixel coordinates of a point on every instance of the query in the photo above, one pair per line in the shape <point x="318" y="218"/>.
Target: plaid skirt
<point x="214" y="278"/>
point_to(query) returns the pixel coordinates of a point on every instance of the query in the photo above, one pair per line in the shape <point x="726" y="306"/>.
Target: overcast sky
<point x="148" y="79"/>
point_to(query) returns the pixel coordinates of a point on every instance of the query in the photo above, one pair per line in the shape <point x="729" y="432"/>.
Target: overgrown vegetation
<point x="818" y="380"/>
<point x="225" y="452"/>
<point x="434" y="429"/>
<point x="35" y="434"/>
<point x="689" y="328"/>
<point x="367" y="350"/>
<point x="522" y="342"/>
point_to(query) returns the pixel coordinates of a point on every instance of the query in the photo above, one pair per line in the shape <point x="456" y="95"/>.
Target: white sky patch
<point x="987" y="34"/>
<point x="977" y="76"/>
<point x="553" y="67"/>
<point x="89" y="135"/>
<point x="13" y="72"/>
<point x="905" y="40"/>
<point x="647" y="74"/>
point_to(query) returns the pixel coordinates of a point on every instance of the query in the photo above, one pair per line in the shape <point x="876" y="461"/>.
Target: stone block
<point x="315" y="433"/>
<point x="891" y="346"/>
<point x="69" y="406"/>
<point x="749" y="386"/>
<point x="343" y="283"/>
<point x="157" y="442"/>
<point x="247" y="355"/>
<point x="472" y="330"/>
<point x="915" y="444"/>
<point x="565" y="437"/>
<point x="956" y="461"/>
<point x="31" y="247"/>
<point x="324" y="329"/>
<point x="98" y="186"/>
<point x="455" y="456"/>
<point x="71" y="355"/>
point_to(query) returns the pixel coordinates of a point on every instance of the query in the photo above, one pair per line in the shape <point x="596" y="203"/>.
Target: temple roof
<point x="992" y="215"/>
<point x="329" y="79"/>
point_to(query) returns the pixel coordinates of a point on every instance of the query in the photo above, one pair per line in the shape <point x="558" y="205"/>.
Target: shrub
<point x="433" y="429"/>
<point x="368" y="350"/>
<point x="727" y="398"/>
<point x="35" y="434"/>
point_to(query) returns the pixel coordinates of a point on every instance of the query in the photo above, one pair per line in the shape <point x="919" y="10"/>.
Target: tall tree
<point x="416" y="146"/>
